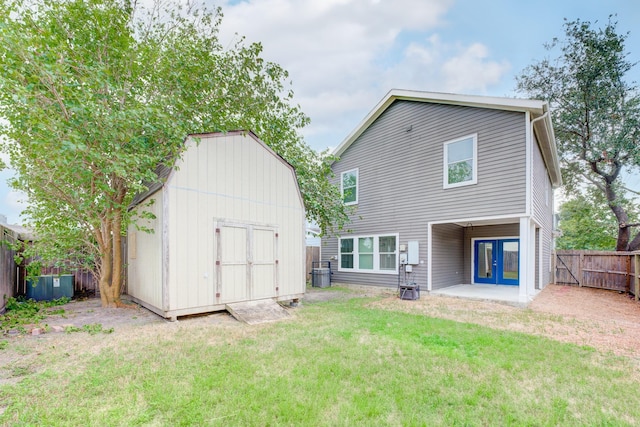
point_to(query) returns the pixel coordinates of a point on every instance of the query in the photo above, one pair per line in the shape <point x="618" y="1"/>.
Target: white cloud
<point x="12" y="203"/>
<point x="470" y="70"/>
<point x="436" y="66"/>
<point x="15" y="200"/>
<point x="344" y="55"/>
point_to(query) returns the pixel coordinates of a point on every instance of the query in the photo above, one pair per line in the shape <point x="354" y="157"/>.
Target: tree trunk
<point x="624" y="231"/>
<point x="635" y="243"/>
<point x="110" y="274"/>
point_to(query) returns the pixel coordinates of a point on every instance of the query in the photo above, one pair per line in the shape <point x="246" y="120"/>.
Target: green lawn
<point x="335" y="363"/>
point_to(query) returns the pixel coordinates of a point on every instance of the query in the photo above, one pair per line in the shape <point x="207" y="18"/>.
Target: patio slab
<point x="497" y="293"/>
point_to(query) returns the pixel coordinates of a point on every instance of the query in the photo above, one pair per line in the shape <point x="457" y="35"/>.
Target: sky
<point x="343" y="56"/>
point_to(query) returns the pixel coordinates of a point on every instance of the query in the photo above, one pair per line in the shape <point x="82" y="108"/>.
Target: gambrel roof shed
<point x="229" y="227"/>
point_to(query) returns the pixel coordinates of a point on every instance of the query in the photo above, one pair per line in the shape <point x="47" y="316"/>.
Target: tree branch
<point x="636" y="224"/>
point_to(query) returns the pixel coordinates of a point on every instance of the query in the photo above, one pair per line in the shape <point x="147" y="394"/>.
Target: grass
<point x="335" y="363"/>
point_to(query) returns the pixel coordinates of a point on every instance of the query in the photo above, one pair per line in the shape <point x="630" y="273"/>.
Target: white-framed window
<point x="349" y="186"/>
<point x="369" y="254"/>
<point x="461" y="161"/>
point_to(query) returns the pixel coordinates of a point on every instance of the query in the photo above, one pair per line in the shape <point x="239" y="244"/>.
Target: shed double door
<point x="246" y="262"/>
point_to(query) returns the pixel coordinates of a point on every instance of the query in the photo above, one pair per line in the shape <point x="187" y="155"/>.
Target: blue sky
<point x="344" y="55"/>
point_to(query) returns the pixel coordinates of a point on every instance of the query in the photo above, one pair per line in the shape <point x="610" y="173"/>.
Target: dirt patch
<point x="79" y="313"/>
<point x="606" y="320"/>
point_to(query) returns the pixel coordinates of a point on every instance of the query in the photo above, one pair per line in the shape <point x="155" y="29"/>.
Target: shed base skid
<point x="174" y="314"/>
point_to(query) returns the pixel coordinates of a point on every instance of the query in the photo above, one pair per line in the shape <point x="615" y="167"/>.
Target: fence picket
<point x="599" y="269"/>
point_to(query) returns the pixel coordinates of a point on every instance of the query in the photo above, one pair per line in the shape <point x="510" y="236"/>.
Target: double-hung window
<point x="461" y="162"/>
<point x="349" y="186"/>
<point x="372" y="254"/>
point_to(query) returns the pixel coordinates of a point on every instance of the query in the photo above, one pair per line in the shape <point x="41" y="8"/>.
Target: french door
<point x="496" y="261"/>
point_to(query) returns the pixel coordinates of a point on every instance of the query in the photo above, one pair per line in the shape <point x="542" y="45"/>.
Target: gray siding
<point x="401" y="174"/>
<point x="447" y="260"/>
<point x="542" y="200"/>
<point x="503" y="230"/>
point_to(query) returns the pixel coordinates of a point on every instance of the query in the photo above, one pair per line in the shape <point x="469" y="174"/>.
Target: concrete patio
<point x="496" y="293"/>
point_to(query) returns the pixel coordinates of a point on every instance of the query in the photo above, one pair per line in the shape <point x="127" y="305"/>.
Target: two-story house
<point x="453" y="189"/>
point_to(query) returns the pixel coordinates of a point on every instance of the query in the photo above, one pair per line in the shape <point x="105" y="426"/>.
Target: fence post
<point x="554" y="267"/>
<point x="580" y="265"/>
<point x="636" y="258"/>
<point x="628" y="281"/>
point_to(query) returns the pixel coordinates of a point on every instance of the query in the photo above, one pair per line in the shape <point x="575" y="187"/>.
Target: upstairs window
<point x="349" y="187"/>
<point x="461" y="161"/>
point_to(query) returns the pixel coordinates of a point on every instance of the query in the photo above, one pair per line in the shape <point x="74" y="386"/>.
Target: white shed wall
<point x="229" y="178"/>
<point x="145" y="254"/>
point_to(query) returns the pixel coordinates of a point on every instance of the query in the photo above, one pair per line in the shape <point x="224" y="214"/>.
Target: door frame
<point x="505" y="282"/>
<point x="249" y="262"/>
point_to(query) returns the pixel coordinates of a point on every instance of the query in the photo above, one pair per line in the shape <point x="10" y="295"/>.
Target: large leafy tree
<point x="586" y="222"/>
<point x="596" y="115"/>
<point x="96" y="93"/>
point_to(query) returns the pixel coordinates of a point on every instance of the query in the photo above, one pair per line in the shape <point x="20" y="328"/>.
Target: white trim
<point x="540" y="254"/>
<point x="376" y="254"/>
<point x="527" y="256"/>
<point x="429" y="261"/>
<point x="473" y="257"/>
<point x="166" y="244"/>
<point x="357" y="172"/>
<point x="528" y="163"/>
<point x="445" y="157"/>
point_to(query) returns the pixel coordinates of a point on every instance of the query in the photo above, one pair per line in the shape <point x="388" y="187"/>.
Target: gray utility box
<point x="410" y="291"/>
<point x="48" y="288"/>
<point x="321" y="277"/>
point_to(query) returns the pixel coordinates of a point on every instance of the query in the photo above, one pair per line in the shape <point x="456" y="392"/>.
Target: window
<point x="346" y="253"/>
<point x="387" y="250"/>
<point x="365" y="253"/>
<point x="349" y="186"/>
<point x="460" y="161"/>
<point x="373" y="254"/>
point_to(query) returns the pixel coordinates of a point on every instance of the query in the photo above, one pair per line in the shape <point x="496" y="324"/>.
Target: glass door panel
<point x="485" y="265"/>
<point x="509" y="262"/>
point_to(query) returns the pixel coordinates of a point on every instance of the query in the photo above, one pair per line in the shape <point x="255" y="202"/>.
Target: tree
<point x="596" y="114"/>
<point x="95" y="94"/>
<point x="586" y="222"/>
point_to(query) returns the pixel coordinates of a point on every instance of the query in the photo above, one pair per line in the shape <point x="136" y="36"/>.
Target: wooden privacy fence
<point x="313" y="254"/>
<point x="599" y="269"/>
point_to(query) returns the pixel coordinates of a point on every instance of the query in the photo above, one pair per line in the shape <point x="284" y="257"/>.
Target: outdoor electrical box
<point x="403" y="258"/>
<point x="50" y="287"/>
<point x="413" y="256"/>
